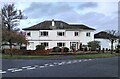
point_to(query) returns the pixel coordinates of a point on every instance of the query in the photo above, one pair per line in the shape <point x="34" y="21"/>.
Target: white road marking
<point x="16" y="70"/>
<point x="85" y="60"/>
<point x="46" y="64"/>
<point x="59" y="63"/>
<point x="31" y="68"/>
<point x="41" y="66"/>
<point x="89" y="59"/>
<point x="79" y="60"/>
<point x="63" y="62"/>
<point x="26" y="67"/>
<point x="55" y="63"/>
<point x="12" y="69"/>
<point x="69" y="62"/>
<point x="51" y="65"/>
<point x="2" y="72"/>
<point x="75" y="61"/>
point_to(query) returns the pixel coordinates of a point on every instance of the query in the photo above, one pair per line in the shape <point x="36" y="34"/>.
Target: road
<point x="99" y="67"/>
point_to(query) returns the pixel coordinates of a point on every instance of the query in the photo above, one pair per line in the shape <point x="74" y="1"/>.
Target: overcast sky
<point x="99" y="15"/>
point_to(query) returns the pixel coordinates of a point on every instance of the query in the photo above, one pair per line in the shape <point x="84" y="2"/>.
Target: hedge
<point x="27" y="52"/>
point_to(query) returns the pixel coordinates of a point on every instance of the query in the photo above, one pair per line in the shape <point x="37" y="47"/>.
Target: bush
<point x="65" y="49"/>
<point x="117" y="50"/>
<point x="94" y="45"/>
<point x="40" y="47"/>
<point x="56" y="49"/>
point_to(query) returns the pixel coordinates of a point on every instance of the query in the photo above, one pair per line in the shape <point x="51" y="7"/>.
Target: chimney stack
<point x="53" y="23"/>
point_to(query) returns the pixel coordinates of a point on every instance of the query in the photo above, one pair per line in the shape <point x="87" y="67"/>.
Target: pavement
<point x="99" y="67"/>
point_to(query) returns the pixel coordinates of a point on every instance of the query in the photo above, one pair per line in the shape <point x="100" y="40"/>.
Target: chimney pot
<point x="53" y="23"/>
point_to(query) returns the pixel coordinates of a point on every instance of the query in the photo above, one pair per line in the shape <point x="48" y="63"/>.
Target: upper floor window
<point x="44" y="33"/>
<point x="88" y="34"/>
<point x="76" y="33"/>
<point x="60" y="44"/>
<point x="60" y="33"/>
<point x="45" y="44"/>
<point x="28" y="34"/>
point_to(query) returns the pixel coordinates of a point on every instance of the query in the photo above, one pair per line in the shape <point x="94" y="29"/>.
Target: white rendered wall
<point x="53" y="38"/>
<point x="84" y="39"/>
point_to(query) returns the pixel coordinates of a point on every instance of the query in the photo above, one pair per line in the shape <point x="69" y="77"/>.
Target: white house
<point x="105" y="43"/>
<point x="54" y="33"/>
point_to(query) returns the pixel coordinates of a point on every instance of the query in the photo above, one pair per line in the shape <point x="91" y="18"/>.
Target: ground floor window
<point x="60" y="44"/>
<point x="45" y="44"/>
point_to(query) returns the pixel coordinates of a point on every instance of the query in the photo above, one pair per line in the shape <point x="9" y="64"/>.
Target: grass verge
<point x="101" y="55"/>
<point x="82" y="56"/>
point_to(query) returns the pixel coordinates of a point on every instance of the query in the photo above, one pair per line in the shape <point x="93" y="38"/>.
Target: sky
<point x="101" y="15"/>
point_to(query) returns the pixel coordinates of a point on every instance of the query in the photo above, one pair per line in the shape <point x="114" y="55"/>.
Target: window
<point x="44" y="33"/>
<point x="60" y="33"/>
<point x="28" y="34"/>
<point x="60" y="44"/>
<point x="76" y="33"/>
<point x="88" y="34"/>
<point x="45" y="44"/>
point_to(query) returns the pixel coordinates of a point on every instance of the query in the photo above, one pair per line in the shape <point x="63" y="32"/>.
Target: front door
<point x="73" y="45"/>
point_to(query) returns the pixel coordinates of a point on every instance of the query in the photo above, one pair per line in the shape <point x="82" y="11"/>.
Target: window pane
<point x="88" y="34"/>
<point x="76" y="33"/>
<point x="60" y="44"/>
<point x="44" y="33"/>
<point x="28" y="34"/>
<point x="44" y="43"/>
<point x="60" y="33"/>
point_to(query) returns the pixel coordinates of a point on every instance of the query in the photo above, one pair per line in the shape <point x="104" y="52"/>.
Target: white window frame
<point x="63" y="44"/>
<point x="88" y="34"/>
<point x="75" y="33"/>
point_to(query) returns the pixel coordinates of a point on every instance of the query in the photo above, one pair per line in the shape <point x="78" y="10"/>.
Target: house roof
<point x="46" y="25"/>
<point x="104" y="35"/>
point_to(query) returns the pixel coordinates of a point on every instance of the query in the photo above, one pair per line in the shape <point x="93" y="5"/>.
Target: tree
<point x="112" y="36"/>
<point x="17" y="37"/>
<point x="94" y="45"/>
<point x="10" y="19"/>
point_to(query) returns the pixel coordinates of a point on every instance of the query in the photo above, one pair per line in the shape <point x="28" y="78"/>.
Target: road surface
<point x="99" y="67"/>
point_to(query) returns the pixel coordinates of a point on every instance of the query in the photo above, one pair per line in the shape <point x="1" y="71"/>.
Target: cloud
<point x="88" y="5"/>
<point x="68" y="12"/>
<point x="38" y="10"/>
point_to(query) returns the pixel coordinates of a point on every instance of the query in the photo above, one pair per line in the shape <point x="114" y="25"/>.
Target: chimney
<point x="53" y="23"/>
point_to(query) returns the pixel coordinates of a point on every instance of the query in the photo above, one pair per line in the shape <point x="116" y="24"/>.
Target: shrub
<point x="40" y="47"/>
<point x="94" y="45"/>
<point x="56" y="49"/>
<point x="117" y="50"/>
<point x="65" y="49"/>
